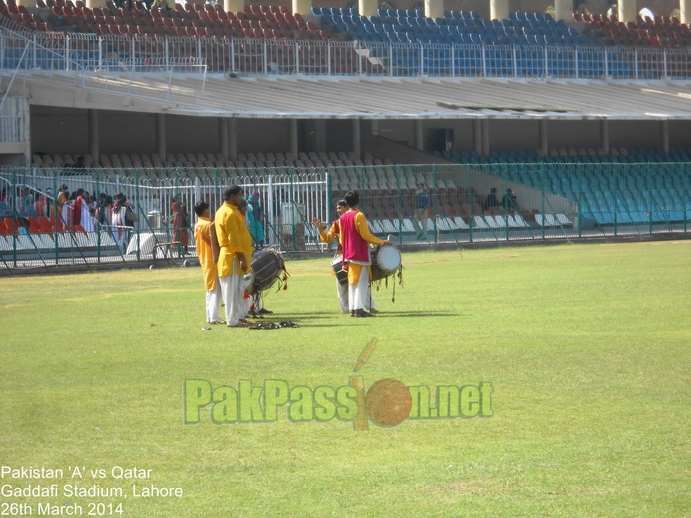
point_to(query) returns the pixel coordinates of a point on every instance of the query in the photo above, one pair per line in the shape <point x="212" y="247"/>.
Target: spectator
<point x="119" y="220"/>
<point x="422" y="204"/>
<point x="180" y="222"/>
<point x="255" y="218"/>
<point x="61" y="201"/>
<point x="28" y="205"/>
<point x="39" y="203"/>
<point x="491" y="201"/>
<point x="49" y="207"/>
<point x="509" y="200"/>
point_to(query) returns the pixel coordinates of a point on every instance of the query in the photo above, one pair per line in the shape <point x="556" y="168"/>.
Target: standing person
<point x="119" y="221"/>
<point x="327" y="237"/>
<point x="87" y="221"/>
<point x="422" y="204"/>
<point x="491" y="200"/>
<point x="253" y="303"/>
<point x="180" y="222"/>
<point x="355" y="237"/>
<point x="40" y="204"/>
<point x="77" y="207"/>
<point x="202" y="236"/>
<point x="255" y="218"/>
<point x="60" y="201"/>
<point x="49" y="207"/>
<point x="231" y="231"/>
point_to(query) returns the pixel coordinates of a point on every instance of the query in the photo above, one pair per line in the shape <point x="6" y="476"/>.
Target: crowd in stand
<point x="37" y="211"/>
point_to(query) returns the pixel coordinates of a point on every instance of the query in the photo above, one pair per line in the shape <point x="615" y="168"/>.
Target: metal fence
<point x="489" y="202"/>
<point x="25" y="49"/>
<point x="288" y="202"/>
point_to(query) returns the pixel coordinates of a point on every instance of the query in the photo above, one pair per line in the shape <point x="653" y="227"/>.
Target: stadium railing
<point x="563" y="201"/>
<point x="61" y="51"/>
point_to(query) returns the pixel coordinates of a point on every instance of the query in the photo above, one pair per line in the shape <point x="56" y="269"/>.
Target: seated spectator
<point x="509" y="200"/>
<point x="491" y="200"/>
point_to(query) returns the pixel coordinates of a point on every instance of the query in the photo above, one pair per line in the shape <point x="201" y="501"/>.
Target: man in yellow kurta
<point x="356" y="236"/>
<point x="232" y="233"/>
<point x="202" y="236"/>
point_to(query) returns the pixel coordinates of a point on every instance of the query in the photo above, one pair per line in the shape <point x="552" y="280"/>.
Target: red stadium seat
<point x="10" y="224"/>
<point x="34" y="226"/>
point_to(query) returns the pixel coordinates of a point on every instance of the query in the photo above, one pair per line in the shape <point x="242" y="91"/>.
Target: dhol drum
<point x="266" y="266"/>
<point x="341" y="274"/>
<point x="385" y="261"/>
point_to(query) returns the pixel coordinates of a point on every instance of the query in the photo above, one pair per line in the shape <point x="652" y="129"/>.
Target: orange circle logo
<point x="388" y="402"/>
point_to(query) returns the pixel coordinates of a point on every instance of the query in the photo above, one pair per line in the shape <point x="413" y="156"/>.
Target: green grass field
<point x="587" y="348"/>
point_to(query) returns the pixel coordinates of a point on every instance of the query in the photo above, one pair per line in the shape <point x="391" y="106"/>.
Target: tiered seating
<point x="661" y="31"/>
<point x="200" y="163"/>
<point x="627" y="186"/>
<point x="457" y="27"/>
<point x="196" y="20"/>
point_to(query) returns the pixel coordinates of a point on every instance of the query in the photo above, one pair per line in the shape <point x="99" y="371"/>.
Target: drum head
<point x="389" y="258"/>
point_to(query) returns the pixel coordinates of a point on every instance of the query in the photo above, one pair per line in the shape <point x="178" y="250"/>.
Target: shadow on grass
<point x="406" y="314"/>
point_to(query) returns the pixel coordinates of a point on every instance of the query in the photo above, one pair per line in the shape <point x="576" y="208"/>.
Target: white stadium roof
<point x="307" y="97"/>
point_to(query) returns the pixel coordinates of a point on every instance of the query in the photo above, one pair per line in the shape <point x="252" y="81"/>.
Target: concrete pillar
<point x="477" y="136"/>
<point x="366" y="7"/>
<point x="685" y="11"/>
<point x="233" y="6"/>
<point x="320" y="135"/>
<point x="294" y="137"/>
<point x="161" y="136"/>
<point x="435" y="8"/>
<point x="356" y="138"/>
<point x="604" y="135"/>
<point x="233" y="139"/>
<point x="665" y="135"/>
<point x="627" y="10"/>
<point x="302" y="6"/>
<point x="375" y="127"/>
<point x="419" y="140"/>
<point x="89" y="3"/>
<point x="485" y="137"/>
<point x="544" y="143"/>
<point x="563" y="10"/>
<point x="499" y="9"/>
<point x="223" y="137"/>
<point x="94" y="149"/>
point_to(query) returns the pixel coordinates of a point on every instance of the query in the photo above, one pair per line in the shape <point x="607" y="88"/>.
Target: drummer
<point x="327" y="237"/>
<point x="355" y="235"/>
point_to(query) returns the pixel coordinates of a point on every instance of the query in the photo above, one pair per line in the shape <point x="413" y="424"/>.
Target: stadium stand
<point x="192" y="20"/>
<point x="635" y="185"/>
<point x="557" y="190"/>
<point x="261" y="40"/>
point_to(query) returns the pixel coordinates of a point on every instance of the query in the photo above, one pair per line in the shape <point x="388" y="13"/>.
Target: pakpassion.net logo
<point x="386" y="403"/>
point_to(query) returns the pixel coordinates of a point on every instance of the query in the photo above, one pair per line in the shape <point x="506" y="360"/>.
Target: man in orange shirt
<point x="202" y="236"/>
<point x="233" y="263"/>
